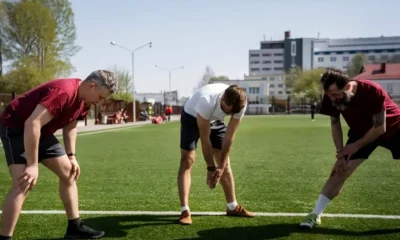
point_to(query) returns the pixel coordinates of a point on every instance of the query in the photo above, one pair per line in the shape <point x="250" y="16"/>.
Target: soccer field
<point x="280" y="164"/>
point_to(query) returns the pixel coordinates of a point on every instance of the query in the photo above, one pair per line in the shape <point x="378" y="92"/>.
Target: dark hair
<point x="336" y="76"/>
<point x="235" y="96"/>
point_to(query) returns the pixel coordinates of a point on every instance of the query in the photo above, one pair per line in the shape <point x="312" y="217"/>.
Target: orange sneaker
<point x="185" y="218"/>
<point x="239" y="211"/>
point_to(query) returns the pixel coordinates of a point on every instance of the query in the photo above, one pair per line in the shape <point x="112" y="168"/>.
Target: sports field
<point x="279" y="162"/>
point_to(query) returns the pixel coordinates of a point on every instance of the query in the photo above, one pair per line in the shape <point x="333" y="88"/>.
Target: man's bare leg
<point x="228" y="185"/>
<point x="184" y="181"/>
<point x="62" y="166"/>
<point x="331" y="189"/>
<point x="13" y="202"/>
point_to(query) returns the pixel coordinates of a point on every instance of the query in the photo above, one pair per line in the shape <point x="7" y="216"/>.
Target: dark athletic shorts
<point x="190" y="132"/>
<point x="13" y="145"/>
<point x="392" y="144"/>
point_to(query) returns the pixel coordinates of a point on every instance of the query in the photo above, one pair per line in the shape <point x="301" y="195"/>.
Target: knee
<point x="187" y="162"/>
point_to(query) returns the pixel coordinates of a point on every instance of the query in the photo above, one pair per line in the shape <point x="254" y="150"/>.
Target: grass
<point x="279" y="162"/>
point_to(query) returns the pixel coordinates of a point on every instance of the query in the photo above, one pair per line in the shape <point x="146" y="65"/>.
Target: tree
<point x="308" y="85"/>
<point x="218" y="78"/>
<point x="124" y="85"/>
<point x="291" y="76"/>
<point x="357" y="62"/>
<point x="205" y="79"/>
<point x="38" y="40"/>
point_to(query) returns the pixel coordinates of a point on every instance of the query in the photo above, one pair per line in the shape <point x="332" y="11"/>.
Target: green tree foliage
<point x="38" y="40"/>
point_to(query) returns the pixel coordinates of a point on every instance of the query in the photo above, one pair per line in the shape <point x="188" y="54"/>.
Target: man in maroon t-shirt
<point x="373" y="120"/>
<point x="27" y="128"/>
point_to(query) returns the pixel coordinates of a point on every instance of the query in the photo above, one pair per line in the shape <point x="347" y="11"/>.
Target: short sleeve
<point x="327" y="108"/>
<point x="376" y="101"/>
<point x="203" y="108"/>
<point x="54" y="100"/>
<point x="240" y="114"/>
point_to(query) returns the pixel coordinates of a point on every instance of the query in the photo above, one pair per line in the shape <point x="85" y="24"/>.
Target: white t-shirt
<point x="207" y="103"/>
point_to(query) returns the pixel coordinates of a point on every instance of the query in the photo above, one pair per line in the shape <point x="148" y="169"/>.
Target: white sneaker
<point x="310" y="221"/>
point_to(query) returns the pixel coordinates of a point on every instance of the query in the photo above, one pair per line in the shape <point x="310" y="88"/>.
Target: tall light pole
<point x="169" y="72"/>
<point x="133" y="68"/>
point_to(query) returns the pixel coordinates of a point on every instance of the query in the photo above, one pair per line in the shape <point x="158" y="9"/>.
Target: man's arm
<point x="205" y="130"/>
<point x="40" y="117"/>
<point x="337" y="133"/>
<point x="228" y="140"/>
<point x="378" y="128"/>
<point x="69" y="136"/>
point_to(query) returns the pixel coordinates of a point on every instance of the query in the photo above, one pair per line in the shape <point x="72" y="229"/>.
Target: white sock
<point x="322" y="203"/>
<point x="232" y="205"/>
<point x="184" y="208"/>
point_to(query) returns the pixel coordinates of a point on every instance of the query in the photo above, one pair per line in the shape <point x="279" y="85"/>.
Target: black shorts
<point x="190" y="132"/>
<point x="13" y="145"/>
<point x="392" y="144"/>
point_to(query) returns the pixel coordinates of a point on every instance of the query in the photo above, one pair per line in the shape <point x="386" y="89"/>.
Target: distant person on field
<point x="203" y="117"/>
<point x="27" y="128"/>
<point x="313" y="108"/>
<point x="373" y="119"/>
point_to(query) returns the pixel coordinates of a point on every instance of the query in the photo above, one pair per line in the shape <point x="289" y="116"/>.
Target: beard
<point x="343" y="103"/>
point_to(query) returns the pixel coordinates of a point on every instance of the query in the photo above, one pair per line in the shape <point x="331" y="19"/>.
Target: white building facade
<point x="338" y="53"/>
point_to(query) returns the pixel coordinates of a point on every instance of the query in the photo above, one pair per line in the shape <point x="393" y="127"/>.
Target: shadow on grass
<point x="274" y="231"/>
<point x="117" y="226"/>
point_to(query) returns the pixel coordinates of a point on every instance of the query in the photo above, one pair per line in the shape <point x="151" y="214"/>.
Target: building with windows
<point x="277" y="57"/>
<point x="338" y="53"/>
<point x="386" y="75"/>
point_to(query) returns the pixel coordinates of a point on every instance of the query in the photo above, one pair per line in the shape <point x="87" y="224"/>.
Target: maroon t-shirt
<point x="59" y="97"/>
<point x="370" y="99"/>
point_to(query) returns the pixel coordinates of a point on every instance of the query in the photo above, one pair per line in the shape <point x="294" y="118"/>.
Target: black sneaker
<point x="82" y="232"/>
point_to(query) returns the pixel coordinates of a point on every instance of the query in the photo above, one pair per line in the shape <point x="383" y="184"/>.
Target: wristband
<point x="211" y="169"/>
<point x="71" y="154"/>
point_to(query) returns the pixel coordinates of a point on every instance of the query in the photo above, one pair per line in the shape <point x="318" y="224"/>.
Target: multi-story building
<point x="338" y="53"/>
<point x="277" y="57"/>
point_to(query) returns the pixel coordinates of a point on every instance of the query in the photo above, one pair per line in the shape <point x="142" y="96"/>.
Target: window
<point x="266" y="62"/>
<point x="293" y="48"/>
<point x="254" y="55"/>
<point x="280" y="85"/>
<point x="272" y="85"/>
<point x="254" y="90"/>
<point x="266" y="54"/>
<point x="254" y="69"/>
<point x="345" y="59"/>
<point x="371" y="58"/>
<point x="278" y="69"/>
<point x="278" y="54"/>
<point x="271" y="92"/>
<point x="280" y="92"/>
<point x="390" y="88"/>
<point x="278" y="61"/>
<point x="272" y="78"/>
<point x="333" y="59"/>
<point x="384" y="57"/>
<point x="320" y="59"/>
<point x="254" y="62"/>
<point x="266" y="69"/>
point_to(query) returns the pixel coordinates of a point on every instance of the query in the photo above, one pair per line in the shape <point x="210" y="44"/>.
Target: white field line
<point x="264" y="214"/>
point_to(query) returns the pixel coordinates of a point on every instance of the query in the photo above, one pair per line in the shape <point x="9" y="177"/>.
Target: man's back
<point x="370" y="99"/>
<point x="210" y="94"/>
<point x="59" y="96"/>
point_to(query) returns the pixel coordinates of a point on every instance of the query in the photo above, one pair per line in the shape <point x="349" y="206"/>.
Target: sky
<point x="219" y="34"/>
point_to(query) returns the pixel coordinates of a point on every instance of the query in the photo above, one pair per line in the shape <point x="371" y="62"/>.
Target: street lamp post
<point x="133" y="68"/>
<point x="169" y="73"/>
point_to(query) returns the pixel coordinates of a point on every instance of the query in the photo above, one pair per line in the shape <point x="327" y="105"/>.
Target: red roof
<point x="379" y="71"/>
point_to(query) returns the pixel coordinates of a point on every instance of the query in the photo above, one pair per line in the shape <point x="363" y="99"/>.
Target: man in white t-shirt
<point x="203" y="117"/>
